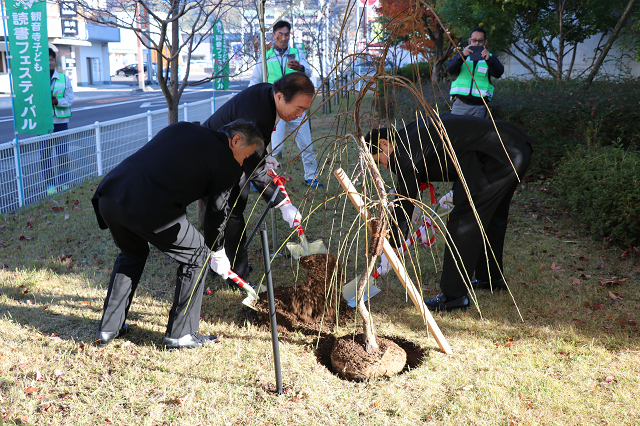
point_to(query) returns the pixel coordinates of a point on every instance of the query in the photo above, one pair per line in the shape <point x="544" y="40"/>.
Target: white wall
<point x="614" y="65"/>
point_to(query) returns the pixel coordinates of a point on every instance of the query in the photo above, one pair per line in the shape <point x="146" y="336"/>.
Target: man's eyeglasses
<point x="477" y="40"/>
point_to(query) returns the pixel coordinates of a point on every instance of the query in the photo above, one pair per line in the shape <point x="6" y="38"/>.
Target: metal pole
<point x="272" y="306"/>
<point x="13" y="110"/>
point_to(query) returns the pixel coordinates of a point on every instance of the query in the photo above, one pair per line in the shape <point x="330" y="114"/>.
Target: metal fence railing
<point x="57" y="161"/>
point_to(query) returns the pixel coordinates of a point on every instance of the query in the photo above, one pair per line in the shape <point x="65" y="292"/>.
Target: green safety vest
<point x="464" y="85"/>
<point x="58" y="89"/>
<point x="274" y="69"/>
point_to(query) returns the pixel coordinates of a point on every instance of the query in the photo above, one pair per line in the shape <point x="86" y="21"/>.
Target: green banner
<point x="220" y="57"/>
<point x="29" y="50"/>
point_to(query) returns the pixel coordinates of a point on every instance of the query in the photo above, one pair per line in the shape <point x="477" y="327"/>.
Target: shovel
<point x="304" y="248"/>
<point x="349" y="289"/>
<point x="252" y="296"/>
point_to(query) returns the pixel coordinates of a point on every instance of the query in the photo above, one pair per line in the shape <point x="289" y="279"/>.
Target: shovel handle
<point x="242" y="284"/>
<point x="298" y="227"/>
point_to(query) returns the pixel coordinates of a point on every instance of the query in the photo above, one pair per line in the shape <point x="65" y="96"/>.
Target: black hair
<point x="281" y="24"/>
<point x="295" y="83"/>
<point x="479" y="30"/>
<point x="52" y="53"/>
<point x="372" y="139"/>
<point x="250" y="133"/>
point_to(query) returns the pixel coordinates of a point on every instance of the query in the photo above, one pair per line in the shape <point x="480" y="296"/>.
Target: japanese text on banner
<point x="28" y="47"/>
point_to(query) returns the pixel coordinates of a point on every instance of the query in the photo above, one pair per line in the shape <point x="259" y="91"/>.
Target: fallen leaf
<point x="575" y="281"/>
<point x="609" y="281"/>
<point x="598" y="305"/>
<point x="609" y="379"/>
<point x="626" y="253"/>
<point x="30" y="390"/>
<point x="614" y="296"/>
<point x="467" y="387"/>
<point x="600" y="266"/>
<point x="608" y="327"/>
<point x="579" y="321"/>
<point x="180" y="400"/>
<point x="587" y="305"/>
<point x="554" y="267"/>
<point x="38" y="377"/>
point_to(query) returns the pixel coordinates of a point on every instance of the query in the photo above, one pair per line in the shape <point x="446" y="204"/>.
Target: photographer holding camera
<point x="476" y="63"/>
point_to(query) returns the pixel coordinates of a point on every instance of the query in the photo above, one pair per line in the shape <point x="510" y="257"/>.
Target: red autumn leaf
<point x="632" y="322"/>
<point x="28" y="226"/>
<point x="22" y="238"/>
<point x="554" y="267"/>
<point x="26" y="291"/>
<point x="579" y="321"/>
<point x="626" y="253"/>
<point x="587" y="305"/>
<point x="600" y="266"/>
<point x="583" y="258"/>
<point x="598" y="306"/>
<point x="30" y="390"/>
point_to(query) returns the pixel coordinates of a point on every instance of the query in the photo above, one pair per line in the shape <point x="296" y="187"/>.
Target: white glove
<point x="220" y="263"/>
<point x="385" y="265"/>
<point x="290" y="214"/>
<point x="446" y="202"/>
<point x="271" y="163"/>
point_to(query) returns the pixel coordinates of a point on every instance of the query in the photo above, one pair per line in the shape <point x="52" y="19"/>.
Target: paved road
<point x="109" y="102"/>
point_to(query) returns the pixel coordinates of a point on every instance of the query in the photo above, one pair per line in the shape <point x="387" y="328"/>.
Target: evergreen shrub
<point x="602" y="187"/>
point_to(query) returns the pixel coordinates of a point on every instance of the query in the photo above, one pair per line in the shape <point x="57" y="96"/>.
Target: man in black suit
<point x="144" y="201"/>
<point x="264" y="104"/>
<point x="491" y="163"/>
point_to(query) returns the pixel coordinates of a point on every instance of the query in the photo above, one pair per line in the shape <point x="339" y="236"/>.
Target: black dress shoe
<point x="103" y="338"/>
<point x="496" y="285"/>
<point x="193" y="340"/>
<point x="443" y="303"/>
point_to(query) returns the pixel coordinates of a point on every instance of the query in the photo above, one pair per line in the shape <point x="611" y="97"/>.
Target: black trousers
<point x="234" y="233"/>
<point x="61" y="146"/>
<point x="181" y="241"/>
<point x="466" y="253"/>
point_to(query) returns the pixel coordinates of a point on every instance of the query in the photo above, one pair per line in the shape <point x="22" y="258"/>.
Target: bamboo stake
<point x="399" y="269"/>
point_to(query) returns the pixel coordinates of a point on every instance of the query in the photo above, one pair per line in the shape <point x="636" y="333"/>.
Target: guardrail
<point x="81" y="153"/>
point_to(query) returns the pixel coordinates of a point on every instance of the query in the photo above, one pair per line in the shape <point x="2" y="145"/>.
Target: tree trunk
<point x="172" y="104"/>
<point x="613" y="38"/>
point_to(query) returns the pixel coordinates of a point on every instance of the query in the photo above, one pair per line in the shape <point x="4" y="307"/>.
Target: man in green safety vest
<point x="281" y="60"/>
<point x="61" y="100"/>
<point x="475" y="61"/>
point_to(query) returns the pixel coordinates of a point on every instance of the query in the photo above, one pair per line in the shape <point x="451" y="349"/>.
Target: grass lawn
<point x="562" y="348"/>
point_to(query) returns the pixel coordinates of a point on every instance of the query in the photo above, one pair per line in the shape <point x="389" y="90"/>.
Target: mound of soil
<point x="316" y="304"/>
<point x="352" y="362"/>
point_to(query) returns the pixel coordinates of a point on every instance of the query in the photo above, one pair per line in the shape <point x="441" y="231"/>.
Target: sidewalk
<point x="96" y="91"/>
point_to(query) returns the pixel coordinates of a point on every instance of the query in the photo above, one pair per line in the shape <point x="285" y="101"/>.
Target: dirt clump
<point x="352" y="362"/>
<point x="315" y="304"/>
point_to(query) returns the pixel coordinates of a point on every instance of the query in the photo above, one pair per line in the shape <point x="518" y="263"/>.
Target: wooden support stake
<point x="399" y="269"/>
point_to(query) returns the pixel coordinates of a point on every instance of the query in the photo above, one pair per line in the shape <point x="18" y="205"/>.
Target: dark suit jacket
<point x="184" y="162"/>
<point x="256" y="105"/>
<point x="420" y="156"/>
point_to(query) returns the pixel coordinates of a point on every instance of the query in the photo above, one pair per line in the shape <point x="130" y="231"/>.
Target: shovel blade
<point x="297" y="251"/>
<point x="249" y="302"/>
<point x="349" y="291"/>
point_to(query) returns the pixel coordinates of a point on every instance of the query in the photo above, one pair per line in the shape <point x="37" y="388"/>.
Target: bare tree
<point x="171" y="29"/>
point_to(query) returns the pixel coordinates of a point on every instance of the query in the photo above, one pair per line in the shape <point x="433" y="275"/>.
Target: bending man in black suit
<point x="144" y="201"/>
<point x="264" y="104"/>
<point x="417" y="154"/>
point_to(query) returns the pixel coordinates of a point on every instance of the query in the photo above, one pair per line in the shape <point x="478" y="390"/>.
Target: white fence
<point x="64" y="159"/>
